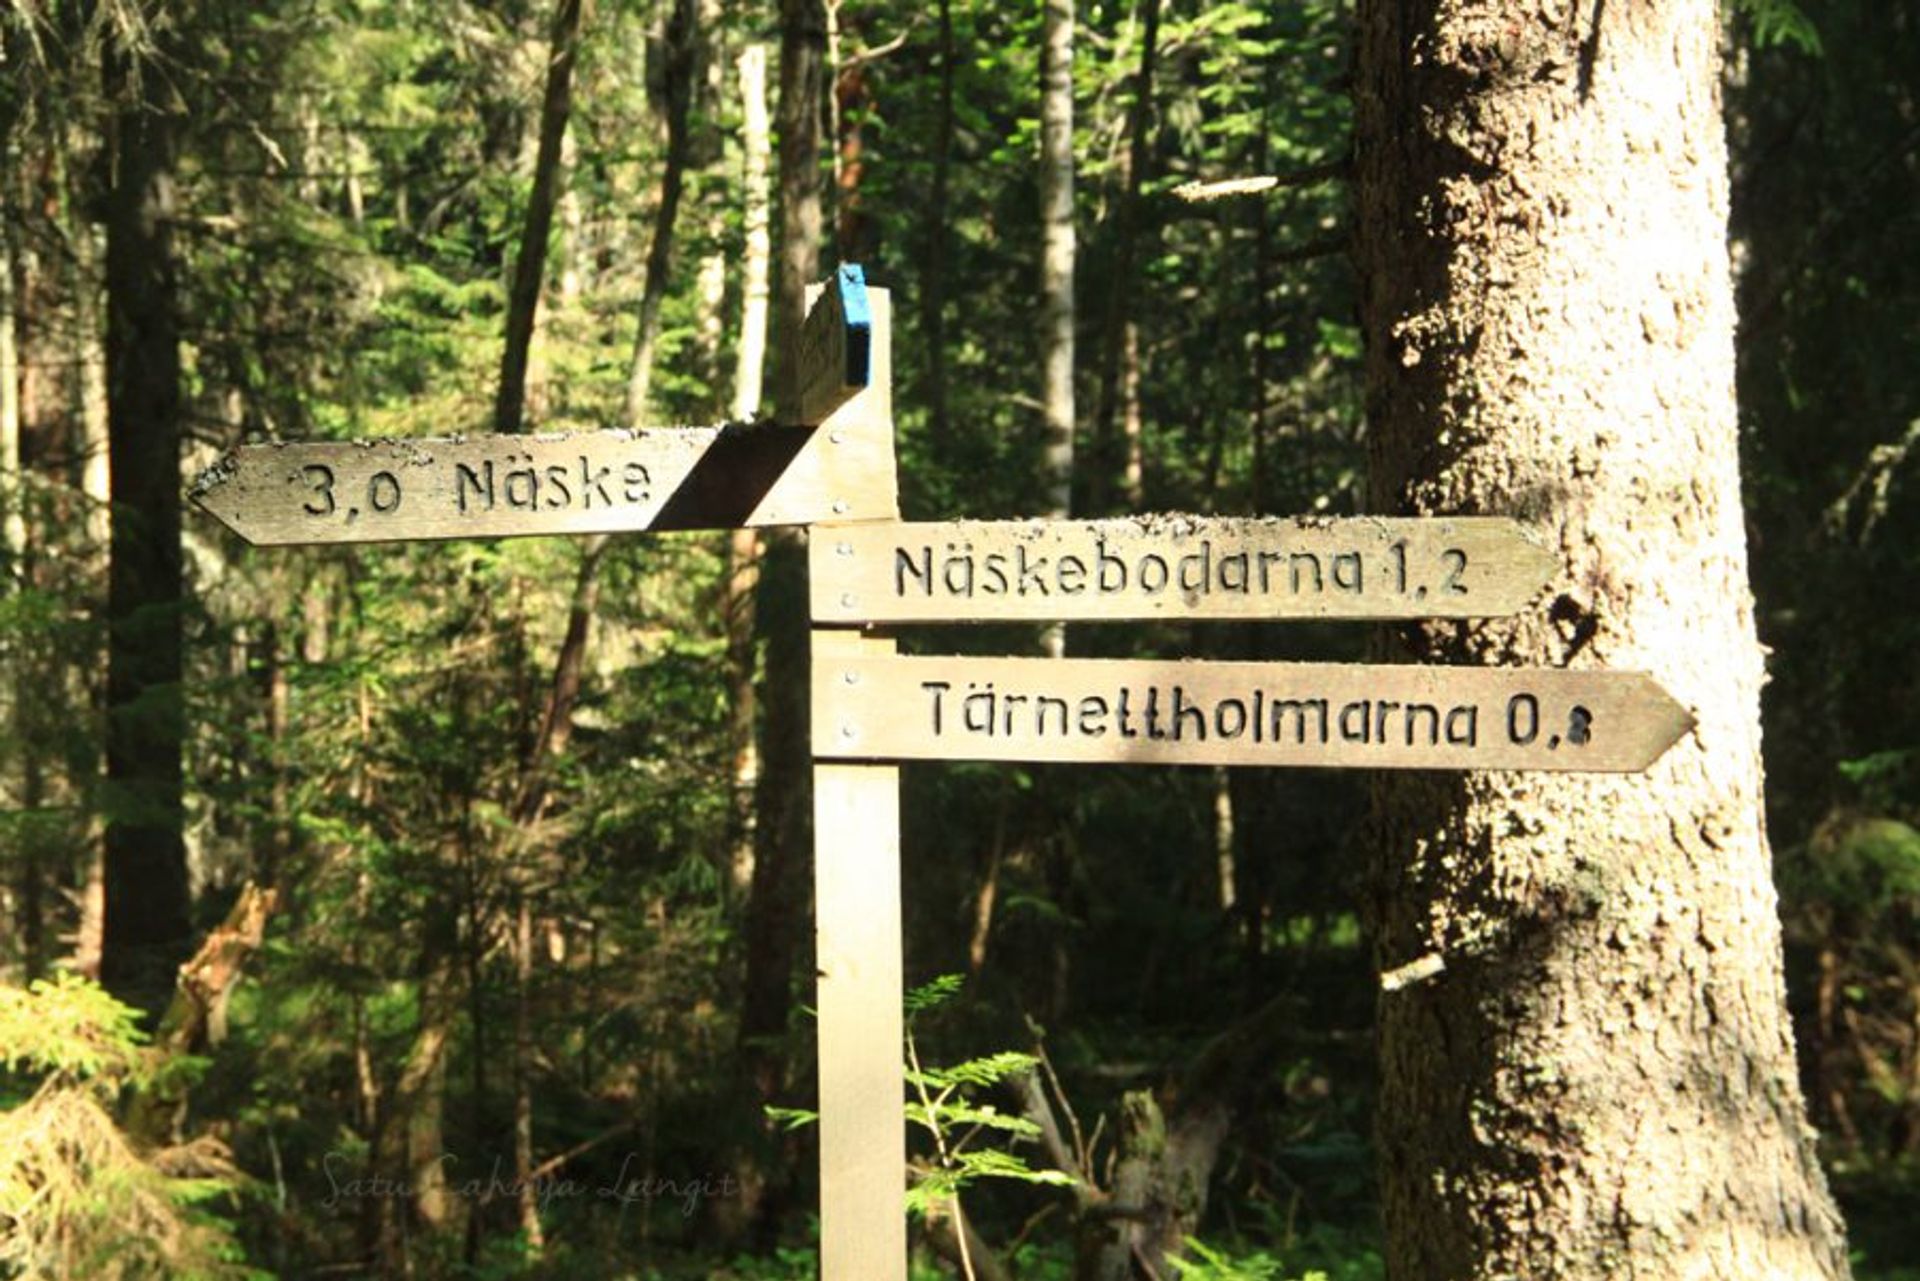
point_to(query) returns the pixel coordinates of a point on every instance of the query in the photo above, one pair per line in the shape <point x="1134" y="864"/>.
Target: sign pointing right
<point x="1177" y="567"/>
<point x="1148" y="712"/>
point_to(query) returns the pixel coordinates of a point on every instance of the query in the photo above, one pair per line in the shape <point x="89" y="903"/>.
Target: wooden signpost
<point x="872" y="708"/>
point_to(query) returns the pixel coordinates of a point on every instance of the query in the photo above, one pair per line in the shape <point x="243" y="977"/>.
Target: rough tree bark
<point x="777" y="897"/>
<point x="1587" y="1069"/>
<point x="530" y="264"/>
<point x="147" y="926"/>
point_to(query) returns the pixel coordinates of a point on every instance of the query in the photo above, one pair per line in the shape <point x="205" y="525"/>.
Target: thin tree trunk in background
<point x="1056" y="267"/>
<point x="527" y="1186"/>
<point x="89" y="350"/>
<point x="743" y="545"/>
<point x="1120" y="349"/>
<point x="530" y="264"/>
<point x="933" y="266"/>
<point x="777" y="896"/>
<point x="573" y="226"/>
<point x="13" y="518"/>
<point x="682" y="48"/>
<point x="147" y="926"/>
<point x="1587" y="1068"/>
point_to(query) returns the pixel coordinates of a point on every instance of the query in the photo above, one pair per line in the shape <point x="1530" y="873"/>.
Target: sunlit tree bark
<point x="1587" y="1069"/>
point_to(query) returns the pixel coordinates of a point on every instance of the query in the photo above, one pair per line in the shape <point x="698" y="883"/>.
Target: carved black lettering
<point x="1463" y="726"/>
<point x="1304" y="560"/>
<point x="1298" y="708"/>
<point x="956" y="571"/>
<point x="1110" y="570"/>
<point x="1092" y="719"/>
<point x="1523" y="719"/>
<point x="1042" y="704"/>
<point x="1456" y="562"/>
<point x="1070" y="575"/>
<point x="1234" y="573"/>
<point x="1028" y="573"/>
<point x="1196" y="569"/>
<point x="465" y="477"/>
<point x="521" y="488"/>
<point x="1267" y="561"/>
<point x="1185" y="714"/>
<point x="904" y="568"/>
<point x="996" y="574"/>
<point x="383" y="492"/>
<point x="939" y="691"/>
<point x="1122" y="713"/>
<point x="1154" y="573"/>
<point x="1008" y="704"/>
<point x="636" y="484"/>
<point x="1154" y="729"/>
<point x="1381" y="709"/>
<point x="320" y="477"/>
<point x="976" y="710"/>
<point x="558" y="493"/>
<point x="1579" y="726"/>
<point x="1433" y="729"/>
<point x="1229" y="718"/>
<point x="1356" y="728"/>
<point x="594" y="482"/>
<point x="1347" y="575"/>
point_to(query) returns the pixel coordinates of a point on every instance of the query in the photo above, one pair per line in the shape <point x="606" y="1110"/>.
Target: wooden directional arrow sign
<point x="490" y="486"/>
<point x="1177" y="567"/>
<point x="835" y="359"/>
<point x="1200" y="713"/>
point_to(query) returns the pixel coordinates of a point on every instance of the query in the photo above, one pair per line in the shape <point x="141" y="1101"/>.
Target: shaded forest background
<point x="529" y="943"/>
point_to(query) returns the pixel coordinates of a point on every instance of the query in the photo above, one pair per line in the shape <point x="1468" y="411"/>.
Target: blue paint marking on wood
<point x="857" y="315"/>
<point x="835" y="357"/>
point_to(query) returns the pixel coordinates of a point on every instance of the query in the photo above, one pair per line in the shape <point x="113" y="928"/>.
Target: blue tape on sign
<point x="851" y="281"/>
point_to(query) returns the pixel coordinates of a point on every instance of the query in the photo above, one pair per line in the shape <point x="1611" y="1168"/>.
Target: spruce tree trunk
<point x="147" y="928"/>
<point x="1587" y="1068"/>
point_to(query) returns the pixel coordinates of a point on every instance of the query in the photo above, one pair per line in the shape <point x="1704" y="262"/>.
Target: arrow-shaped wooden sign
<point x="492" y="486"/>
<point x="1177" y="567"/>
<point x="1140" y="712"/>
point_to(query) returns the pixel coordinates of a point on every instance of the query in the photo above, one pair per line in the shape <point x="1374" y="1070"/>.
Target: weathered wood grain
<point x="1177" y="567"/>
<point x="1140" y="712"/>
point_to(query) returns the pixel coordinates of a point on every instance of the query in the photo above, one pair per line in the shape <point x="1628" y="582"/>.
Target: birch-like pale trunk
<point x="743" y="545"/>
<point x="1056" y="266"/>
<point x="1587" y="1066"/>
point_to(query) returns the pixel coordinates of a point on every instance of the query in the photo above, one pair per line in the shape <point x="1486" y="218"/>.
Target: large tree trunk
<point x="1587" y="1069"/>
<point x="530" y="265"/>
<point x="147" y="928"/>
<point x="933" y="264"/>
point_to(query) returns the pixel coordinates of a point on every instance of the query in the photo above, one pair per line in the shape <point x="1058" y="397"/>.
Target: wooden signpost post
<point x="871" y="705"/>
